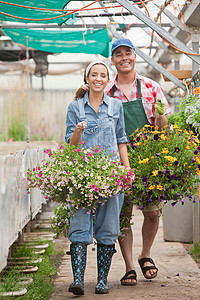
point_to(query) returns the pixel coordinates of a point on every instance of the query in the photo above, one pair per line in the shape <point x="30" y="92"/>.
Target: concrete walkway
<point x="178" y="277"/>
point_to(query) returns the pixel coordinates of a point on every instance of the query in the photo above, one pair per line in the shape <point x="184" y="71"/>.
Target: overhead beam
<point x="17" y="26"/>
<point x="157" y="28"/>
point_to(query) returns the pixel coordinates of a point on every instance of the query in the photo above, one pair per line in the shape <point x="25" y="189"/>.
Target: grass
<point x="42" y="286"/>
<point x="195" y="251"/>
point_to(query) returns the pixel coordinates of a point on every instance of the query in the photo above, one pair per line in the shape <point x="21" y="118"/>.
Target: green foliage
<point x="196" y="252"/>
<point x="60" y="222"/>
<point x="17" y="130"/>
<point x="188" y="115"/>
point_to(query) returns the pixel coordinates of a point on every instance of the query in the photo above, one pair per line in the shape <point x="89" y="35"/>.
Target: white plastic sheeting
<point x="17" y="207"/>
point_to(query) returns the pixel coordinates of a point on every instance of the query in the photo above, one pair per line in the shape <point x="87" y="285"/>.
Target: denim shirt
<point x="105" y="128"/>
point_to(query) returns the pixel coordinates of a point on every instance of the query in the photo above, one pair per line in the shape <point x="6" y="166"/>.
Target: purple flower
<point x="133" y="146"/>
<point x="194" y="201"/>
<point x="178" y="195"/>
<point x="167" y="171"/>
<point x="150" y="200"/>
<point x="196" y="152"/>
<point x="176" y="149"/>
<point x="160" y="172"/>
<point x="156" y="182"/>
<point x="198" y="166"/>
<point x="156" y="137"/>
<point x="128" y="203"/>
<point x="147" y="137"/>
<point x="193" y="159"/>
<point x="183" y="180"/>
<point x="121" y="214"/>
<point x="176" y="162"/>
<point x="173" y="186"/>
<point x="173" y="203"/>
<point x="172" y="176"/>
<point x="188" y="171"/>
<point x="140" y="207"/>
<point x="198" y="147"/>
<point x="190" y="196"/>
<point x="137" y="138"/>
<point x="144" y="179"/>
<point x="157" y="154"/>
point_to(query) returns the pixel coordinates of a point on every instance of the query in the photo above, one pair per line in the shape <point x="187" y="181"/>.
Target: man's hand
<point x="159" y="107"/>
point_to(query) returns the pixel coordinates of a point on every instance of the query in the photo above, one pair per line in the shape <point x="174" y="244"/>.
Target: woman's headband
<point x="96" y="62"/>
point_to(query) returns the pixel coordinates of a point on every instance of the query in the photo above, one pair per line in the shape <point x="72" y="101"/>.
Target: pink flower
<point x="96" y="189"/>
<point x="40" y="174"/>
<point x="90" y="154"/>
<point x="83" y="157"/>
<point x="99" y="146"/>
<point x="33" y="169"/>
<point x="96" y="150"/>
<point x="93" y="186"/>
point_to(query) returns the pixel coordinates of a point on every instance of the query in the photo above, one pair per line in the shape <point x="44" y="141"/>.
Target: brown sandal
<point x="147" y="268"/>
<point x="126" y="276"/>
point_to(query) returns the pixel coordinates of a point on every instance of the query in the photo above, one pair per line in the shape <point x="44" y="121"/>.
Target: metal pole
<point x="28" y="93"/>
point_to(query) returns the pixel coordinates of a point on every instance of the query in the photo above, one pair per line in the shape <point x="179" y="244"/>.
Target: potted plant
<point x="188" y="116"/>
<point x="166" y="165"/>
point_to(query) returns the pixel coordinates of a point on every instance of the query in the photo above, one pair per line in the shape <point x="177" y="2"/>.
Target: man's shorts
<point x="153" y="207"/>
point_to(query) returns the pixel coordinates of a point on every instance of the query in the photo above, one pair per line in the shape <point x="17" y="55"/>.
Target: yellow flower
<point x="163" y="137"/>
<point x="159" y="187"/>
<point x="197" y="159"/>
<point x="151" y="187"/>
<point x="152" y="157"/>
<point x="165" y="150"/>
<point x="170" y="158"/>
<point x="187" y="147"/>
<point x="143" y="161"/>
<point x="198" y="172"/>
<point x="175" y="126"/>
<point x="155" y="172"/>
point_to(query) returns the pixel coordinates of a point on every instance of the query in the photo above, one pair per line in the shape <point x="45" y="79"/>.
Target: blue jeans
<point x="106" y="227"/>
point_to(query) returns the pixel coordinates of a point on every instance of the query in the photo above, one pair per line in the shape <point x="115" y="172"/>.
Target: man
<point x="144" y="103"/>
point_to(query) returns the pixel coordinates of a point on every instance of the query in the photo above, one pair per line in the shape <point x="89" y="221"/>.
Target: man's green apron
<point x="134" y="114"/>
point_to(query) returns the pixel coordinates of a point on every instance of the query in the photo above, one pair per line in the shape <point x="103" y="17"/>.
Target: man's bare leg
<point x="126" y="245"/>
<point x="149" y="231"/>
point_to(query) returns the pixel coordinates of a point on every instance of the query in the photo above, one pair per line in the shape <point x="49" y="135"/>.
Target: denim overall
<point x="134" y="114"/>
<point x="99" y="132"/>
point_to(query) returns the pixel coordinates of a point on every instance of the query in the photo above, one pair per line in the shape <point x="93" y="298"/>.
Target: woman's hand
<point x="81" y="126"/>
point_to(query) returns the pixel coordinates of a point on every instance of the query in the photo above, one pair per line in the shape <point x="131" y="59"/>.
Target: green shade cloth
<point x="59" y="41"/>
<point x="33" y="13"/>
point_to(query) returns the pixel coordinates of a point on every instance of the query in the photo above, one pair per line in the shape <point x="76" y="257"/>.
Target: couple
<point x="99" y="103"/>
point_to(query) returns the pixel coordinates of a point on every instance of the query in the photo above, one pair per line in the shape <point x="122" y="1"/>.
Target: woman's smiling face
<point x="98" y="78"/>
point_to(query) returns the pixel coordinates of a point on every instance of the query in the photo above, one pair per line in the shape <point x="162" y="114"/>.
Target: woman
<point x="98" y="120"/>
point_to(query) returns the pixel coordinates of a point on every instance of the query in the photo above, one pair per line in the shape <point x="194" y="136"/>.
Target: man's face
<point x="124" y="59"/>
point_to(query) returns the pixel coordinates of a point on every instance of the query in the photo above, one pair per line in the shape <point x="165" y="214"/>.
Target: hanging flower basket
<point x="79" y="177"/>
<point x="166" y="164"/>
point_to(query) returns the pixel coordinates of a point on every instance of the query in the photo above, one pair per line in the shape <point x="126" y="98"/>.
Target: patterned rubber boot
<point x="104" y="257"/>
<point x="78" y="252"/>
